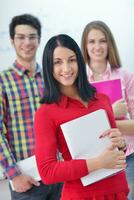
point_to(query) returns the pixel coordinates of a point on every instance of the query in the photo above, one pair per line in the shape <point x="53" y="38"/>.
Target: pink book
<point x="112" y="88"/>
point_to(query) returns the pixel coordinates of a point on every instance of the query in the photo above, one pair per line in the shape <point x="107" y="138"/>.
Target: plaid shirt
<point x="19" y="99"/>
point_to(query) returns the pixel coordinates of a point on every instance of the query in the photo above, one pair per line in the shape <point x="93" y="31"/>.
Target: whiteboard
<point x="70" y="17"/>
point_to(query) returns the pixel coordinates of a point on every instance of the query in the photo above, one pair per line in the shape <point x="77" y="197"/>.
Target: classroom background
<point x="70" y="17"/>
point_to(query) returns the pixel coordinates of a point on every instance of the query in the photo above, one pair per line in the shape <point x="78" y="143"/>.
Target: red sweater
<point x="50" y="139"/>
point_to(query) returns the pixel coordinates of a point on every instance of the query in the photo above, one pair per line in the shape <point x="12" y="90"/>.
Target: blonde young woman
<point x="103" y="63"/>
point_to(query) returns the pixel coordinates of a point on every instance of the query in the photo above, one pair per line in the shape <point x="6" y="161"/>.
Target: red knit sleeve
<point x="52" y="170"/>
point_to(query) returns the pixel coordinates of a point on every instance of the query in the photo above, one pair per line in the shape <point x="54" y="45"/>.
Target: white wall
<point x="71" y="16"/>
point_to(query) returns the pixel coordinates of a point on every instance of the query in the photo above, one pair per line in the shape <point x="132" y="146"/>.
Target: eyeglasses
<point x="31" y="37"/>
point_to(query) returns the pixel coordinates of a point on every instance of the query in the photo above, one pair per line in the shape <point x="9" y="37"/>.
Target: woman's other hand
<point x="120" y="109"/>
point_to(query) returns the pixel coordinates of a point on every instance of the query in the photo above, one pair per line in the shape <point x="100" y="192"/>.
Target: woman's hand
<point x="116" y="138"/>
<point x="120" y="109"/>
<point x="113" y="156"/>
<point x="118" y="146"/>
<point x="110" y="158"/>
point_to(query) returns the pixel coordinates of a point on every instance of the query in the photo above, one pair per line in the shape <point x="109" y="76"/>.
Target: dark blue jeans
<point x="43" y="192"/>
<point x="130" y="175"/>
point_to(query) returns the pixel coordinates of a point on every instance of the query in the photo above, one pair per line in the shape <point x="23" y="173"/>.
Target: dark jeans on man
<point x="43" y="192"/>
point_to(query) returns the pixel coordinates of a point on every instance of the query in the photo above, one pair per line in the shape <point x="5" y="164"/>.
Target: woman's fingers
<point x="111" y="133"/>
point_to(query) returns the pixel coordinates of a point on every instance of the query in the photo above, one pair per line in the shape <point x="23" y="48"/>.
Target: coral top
<point x="50" y="140"/>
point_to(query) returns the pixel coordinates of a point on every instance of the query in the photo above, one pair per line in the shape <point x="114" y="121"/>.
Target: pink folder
<point x="112" y="88"/>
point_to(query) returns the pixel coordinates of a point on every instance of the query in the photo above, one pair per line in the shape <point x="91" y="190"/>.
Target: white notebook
<point x="82" y="137"/>
<point x="28" y="166"/>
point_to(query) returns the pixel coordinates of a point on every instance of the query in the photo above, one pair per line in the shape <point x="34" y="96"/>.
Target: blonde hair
<point x="113" y="55"/>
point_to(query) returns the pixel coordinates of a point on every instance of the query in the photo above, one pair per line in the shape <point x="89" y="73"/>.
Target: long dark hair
<point x="52" y="91"/>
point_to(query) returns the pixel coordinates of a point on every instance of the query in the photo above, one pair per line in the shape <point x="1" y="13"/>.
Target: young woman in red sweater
<point x="67" y="96"/>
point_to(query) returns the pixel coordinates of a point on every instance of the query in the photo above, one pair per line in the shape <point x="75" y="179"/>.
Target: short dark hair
<point x="24" y="19"/>
<point x="52" y="92"/>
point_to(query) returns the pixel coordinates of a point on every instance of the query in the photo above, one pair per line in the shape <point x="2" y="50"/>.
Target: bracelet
<point x="123" y="148"/>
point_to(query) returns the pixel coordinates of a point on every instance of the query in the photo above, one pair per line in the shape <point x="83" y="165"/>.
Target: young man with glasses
<point x="21" y="88"/>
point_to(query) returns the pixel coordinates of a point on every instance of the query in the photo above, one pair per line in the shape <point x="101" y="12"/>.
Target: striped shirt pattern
<point x="127" y="83"/>
<point x="20" y="95"/>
